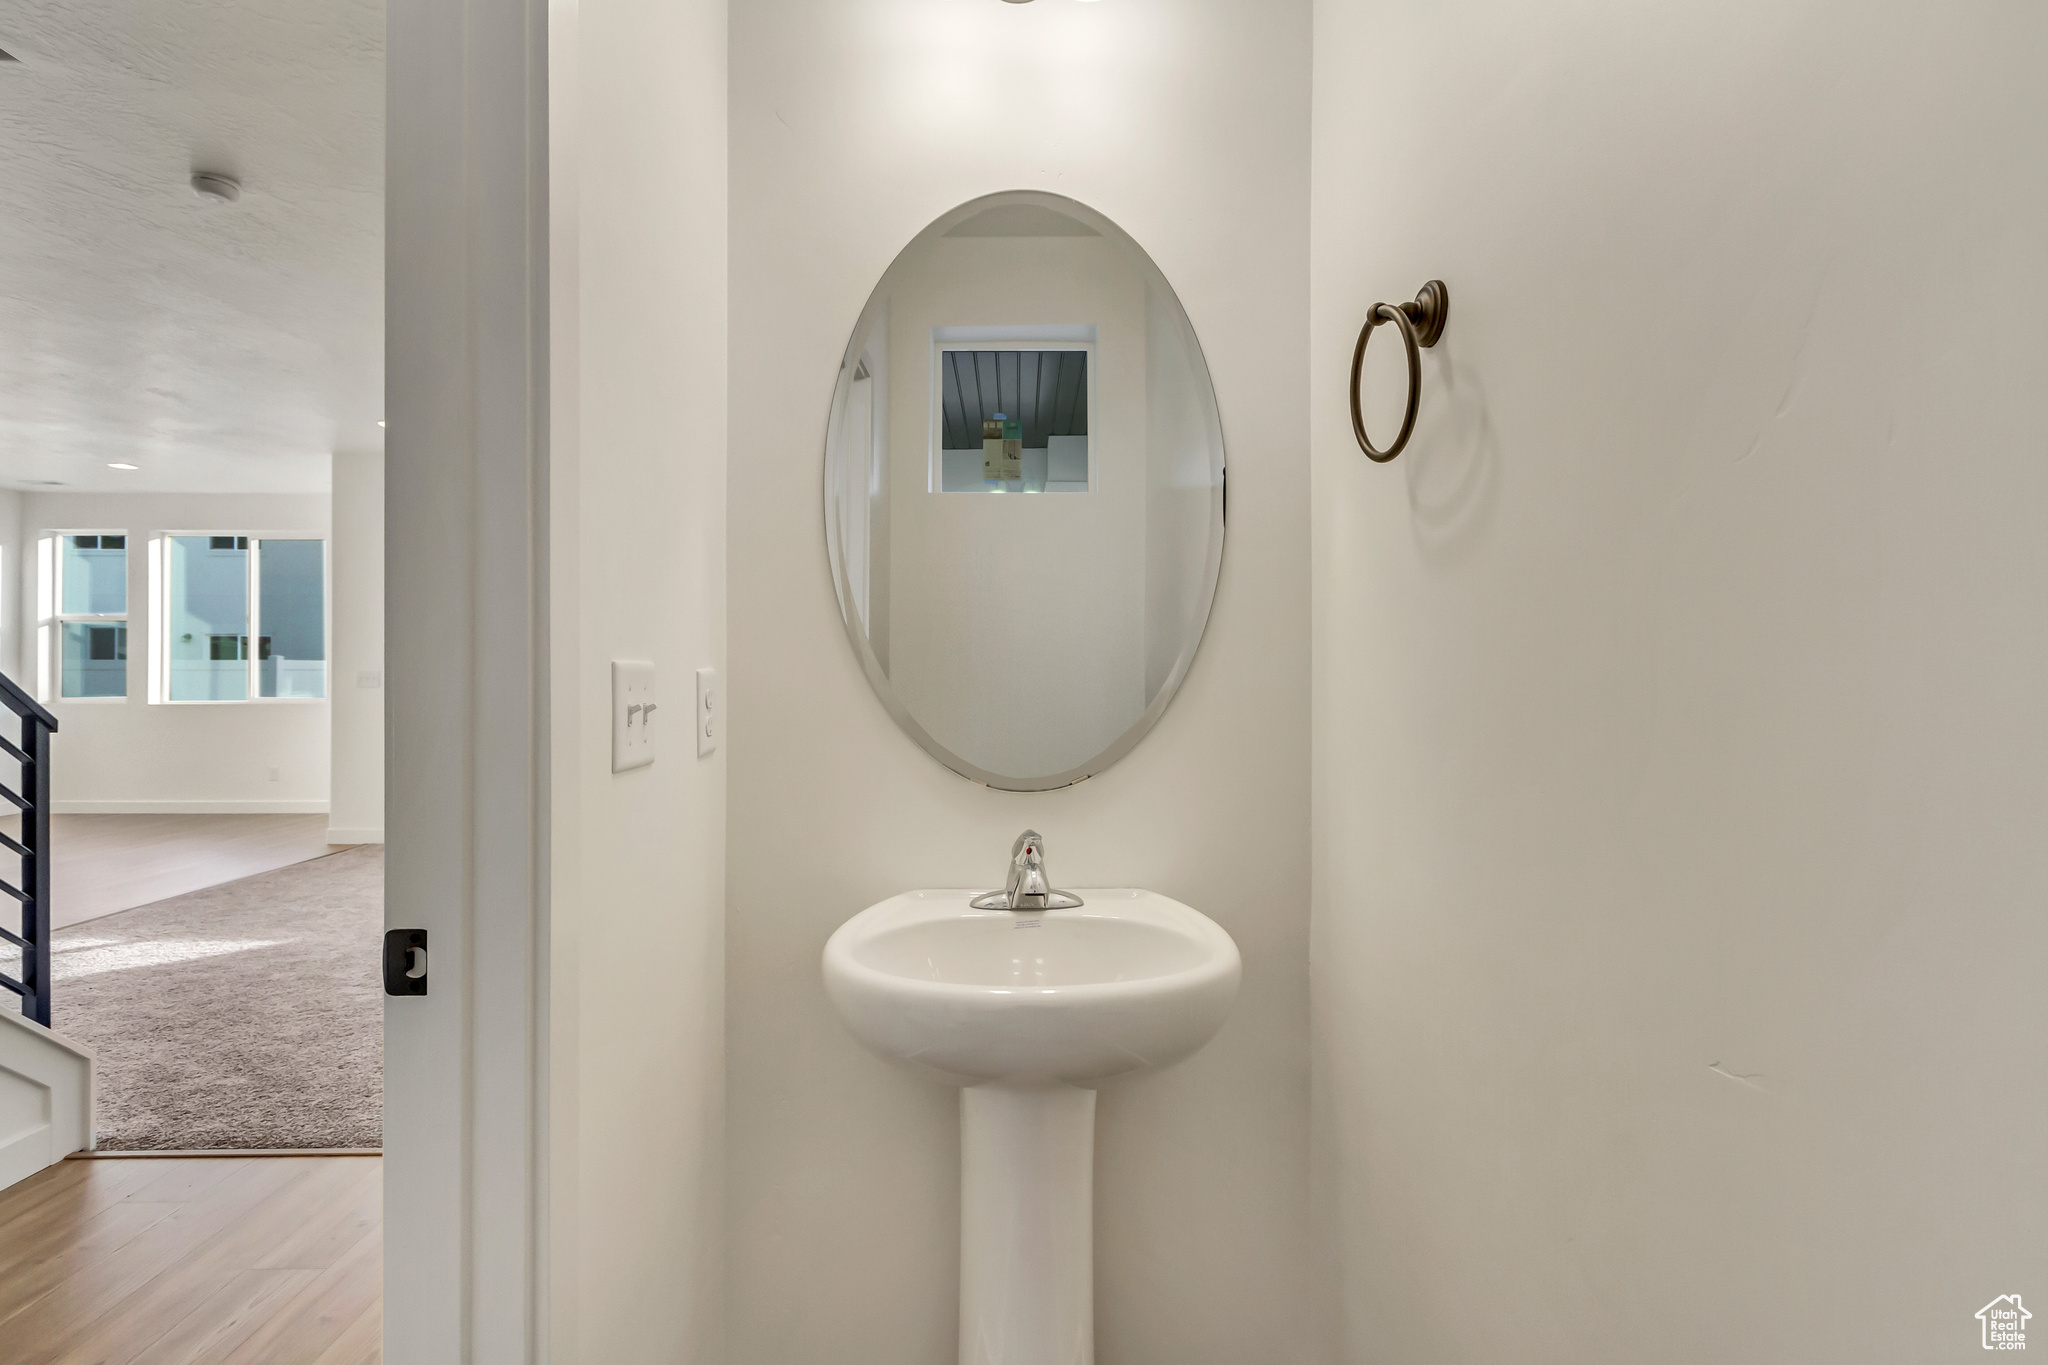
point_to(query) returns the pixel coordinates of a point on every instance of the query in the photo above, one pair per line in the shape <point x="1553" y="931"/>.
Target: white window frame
<point x="160" y="617"/>
<point x="55" y="618"/>
<point x="1020" y="337"/>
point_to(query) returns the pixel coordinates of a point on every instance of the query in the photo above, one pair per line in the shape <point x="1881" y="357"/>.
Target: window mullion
<point x="254" y="621"/>
<point x="161" y="574"/>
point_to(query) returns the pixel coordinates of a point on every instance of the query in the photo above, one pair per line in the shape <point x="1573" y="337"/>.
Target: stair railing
<point x="33" y="800"/>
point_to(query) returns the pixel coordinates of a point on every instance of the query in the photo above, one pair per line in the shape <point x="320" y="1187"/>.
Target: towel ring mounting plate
<point x="1420" y="324"/>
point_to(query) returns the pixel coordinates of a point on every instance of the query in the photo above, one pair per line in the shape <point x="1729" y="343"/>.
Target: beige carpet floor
<point x="246" y="1015"/>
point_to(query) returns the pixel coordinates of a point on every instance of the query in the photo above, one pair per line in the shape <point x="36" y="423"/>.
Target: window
<point x="291" y="607"/>
<point x="92" y="615"/>
<point x="246" y="616"/>
<point x="1012" y="420"/>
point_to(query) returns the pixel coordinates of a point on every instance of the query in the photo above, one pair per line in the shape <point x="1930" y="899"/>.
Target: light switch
<point x="633" y="713"/>
<point x="708" y="706"/>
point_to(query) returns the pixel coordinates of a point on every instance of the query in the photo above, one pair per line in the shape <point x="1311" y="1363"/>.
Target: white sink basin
<point x="1028" y="1011"/>
<point x="1128" y="982"/>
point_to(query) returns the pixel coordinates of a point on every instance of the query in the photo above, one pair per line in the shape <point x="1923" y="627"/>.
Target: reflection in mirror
<point x="1039" y="445"/>
<point x="1024" y="491"/>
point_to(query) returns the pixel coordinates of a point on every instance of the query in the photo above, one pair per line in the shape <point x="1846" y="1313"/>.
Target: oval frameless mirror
<point x="1024" y="491"/>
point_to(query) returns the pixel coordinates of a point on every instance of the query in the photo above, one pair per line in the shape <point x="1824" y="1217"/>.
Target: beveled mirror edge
<point x="842" y="589"/>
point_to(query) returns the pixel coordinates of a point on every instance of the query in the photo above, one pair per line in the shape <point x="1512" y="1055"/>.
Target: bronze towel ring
<point x="1421" y="323"/>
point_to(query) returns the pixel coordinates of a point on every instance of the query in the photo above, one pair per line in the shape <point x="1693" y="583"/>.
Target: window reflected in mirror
<point x="1013" y="421"/>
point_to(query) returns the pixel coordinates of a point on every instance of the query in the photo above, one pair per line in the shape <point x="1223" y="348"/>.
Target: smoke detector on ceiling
<point x="209" y="185"/>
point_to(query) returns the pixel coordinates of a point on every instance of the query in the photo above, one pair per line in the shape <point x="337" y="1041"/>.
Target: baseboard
<point x="225" y="1152"/>
<point x="22" y="1156"/>
<point x="63" y="807"/>
<point x="341" y="834"/>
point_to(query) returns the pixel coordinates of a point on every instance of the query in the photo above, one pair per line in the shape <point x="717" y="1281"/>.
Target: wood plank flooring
<point x="102" y="864"/>
<point x="226" y="1260"/>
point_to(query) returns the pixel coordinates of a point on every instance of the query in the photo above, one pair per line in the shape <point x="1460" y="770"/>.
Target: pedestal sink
<point x="1029" y="1011"/>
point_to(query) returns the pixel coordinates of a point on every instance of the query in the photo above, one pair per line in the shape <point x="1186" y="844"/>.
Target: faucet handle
<point x="1027" y="887"/>
<point x="1027" y="869"/>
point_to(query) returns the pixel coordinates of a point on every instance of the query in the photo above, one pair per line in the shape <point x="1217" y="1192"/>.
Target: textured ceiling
<point x="222" y="347"/>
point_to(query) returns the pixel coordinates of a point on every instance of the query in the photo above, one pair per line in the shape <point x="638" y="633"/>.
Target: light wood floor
<point x="181" y="1260"/>
<point x="105" y="863"/>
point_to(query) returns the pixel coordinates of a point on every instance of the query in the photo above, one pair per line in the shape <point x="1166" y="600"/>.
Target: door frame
<point x="466" y="814"/>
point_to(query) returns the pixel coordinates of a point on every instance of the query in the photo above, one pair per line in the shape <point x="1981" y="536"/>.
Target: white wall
<point x="127" y="755"/>
<point x="355" y="811"/>
<point x="853" y="127"/>
<point x="14" y="601"/>
<point x="1679" y="735"/>
<point x="637" y="519"/>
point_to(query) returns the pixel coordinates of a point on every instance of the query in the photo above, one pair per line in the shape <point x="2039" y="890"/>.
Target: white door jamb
<point x="466" y="822"/>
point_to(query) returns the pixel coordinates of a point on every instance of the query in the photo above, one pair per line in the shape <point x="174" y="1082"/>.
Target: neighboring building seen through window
<point x="207" y="618"/>
<point x="238" y="600"/>
<point x="92" y="615"/>
<point x="291" y="599"/>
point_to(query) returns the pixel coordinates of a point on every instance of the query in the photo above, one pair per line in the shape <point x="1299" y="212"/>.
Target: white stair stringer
<point x="46" y="1098"/>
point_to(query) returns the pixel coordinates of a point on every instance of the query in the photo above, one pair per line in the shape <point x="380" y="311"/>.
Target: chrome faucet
<point x="1028" y="887"/>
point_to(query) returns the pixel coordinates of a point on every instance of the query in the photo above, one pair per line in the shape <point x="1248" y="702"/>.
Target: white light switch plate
<point x="633" y="711"/>
<point x="709" y="705"/>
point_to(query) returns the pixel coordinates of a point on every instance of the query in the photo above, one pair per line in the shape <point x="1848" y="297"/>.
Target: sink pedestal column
<point x="1027" y="1226"/>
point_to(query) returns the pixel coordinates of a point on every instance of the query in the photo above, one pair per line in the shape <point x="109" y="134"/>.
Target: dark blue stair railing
<point x="33" y="800"/>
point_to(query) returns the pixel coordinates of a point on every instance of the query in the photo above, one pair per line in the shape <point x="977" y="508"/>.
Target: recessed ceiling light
<point x="213" y="185"/>
<point x="118" y="465"/>
<point x="380" y="421"/>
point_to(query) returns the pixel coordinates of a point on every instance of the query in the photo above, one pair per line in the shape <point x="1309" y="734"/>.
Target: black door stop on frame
<point x="1421" y="323"/>
<point x="405" y="962"/>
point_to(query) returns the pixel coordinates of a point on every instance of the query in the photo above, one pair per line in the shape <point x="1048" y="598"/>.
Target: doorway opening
<point x="191" y="595"/>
